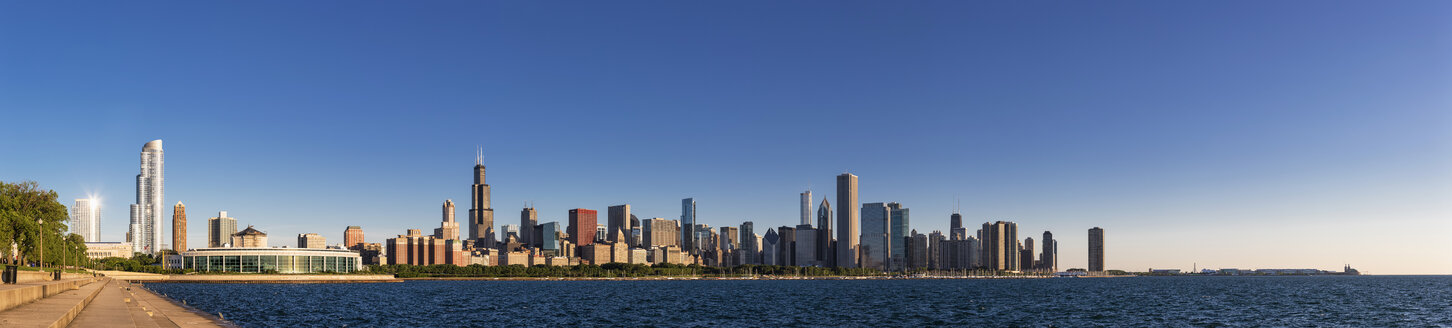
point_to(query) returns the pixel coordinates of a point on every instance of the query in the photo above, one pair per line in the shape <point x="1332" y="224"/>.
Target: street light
<point x="42" y="243"/>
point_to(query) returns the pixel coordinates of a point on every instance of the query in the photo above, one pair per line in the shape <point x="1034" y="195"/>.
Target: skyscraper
<point x="582" y="226"/>
<point x="825" y="255"/>
<point x="875" y="249"/>
<point x="748" y="243"/>
<point x="770" y="248"/>
<point x="1026" y="256"/>
<point x="688" y="226"/>
<point x="957" y="231"/>
<point x="1096" y="249"/>
<point x="353" y="237"/>
<point x="659" y="232"/>
<point x="481" y="215"/>
<point x="528" y="218"/>
<point x="617" y="223"/>
<point x="1049" y="259"/>
<point x="448" y="229"/>
<point x="847" y="221"/>
<point x="998" y="245"/>
<point x="220" y="230"/>
<point x="807" y="207"/>
<point x="896" y="234"/>
<point x="955" y="221"/>
<point x="179" y="227"/>
<point x="86" y="219"/>
<point x="311" y="240"/>
<point x="146" y="213"/>
<point x="730" y="238"/>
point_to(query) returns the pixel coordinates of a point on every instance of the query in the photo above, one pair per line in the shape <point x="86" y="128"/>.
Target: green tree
<point x="21" y="204"/>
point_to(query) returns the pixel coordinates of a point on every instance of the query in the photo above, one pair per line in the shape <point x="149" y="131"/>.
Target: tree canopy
<point x="21" y="204"/>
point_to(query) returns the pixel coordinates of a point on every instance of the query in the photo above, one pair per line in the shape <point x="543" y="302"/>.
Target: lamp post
<point x="41" y="247"/>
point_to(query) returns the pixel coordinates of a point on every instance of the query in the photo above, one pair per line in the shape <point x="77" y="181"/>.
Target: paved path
<point x="123" y="304"/>
<point x="106" y="303"/>
<point x="54" y="311"/>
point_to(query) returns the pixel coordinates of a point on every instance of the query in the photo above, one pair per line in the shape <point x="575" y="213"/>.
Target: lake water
<point x="1365" y="301"/>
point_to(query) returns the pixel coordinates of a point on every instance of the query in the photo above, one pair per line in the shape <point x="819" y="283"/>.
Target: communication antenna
<point x="479" y="155"/>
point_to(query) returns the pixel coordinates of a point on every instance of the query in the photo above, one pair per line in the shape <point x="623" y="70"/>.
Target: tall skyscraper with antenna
<point x="481" y="216"/>
<point x="145" y="233"/>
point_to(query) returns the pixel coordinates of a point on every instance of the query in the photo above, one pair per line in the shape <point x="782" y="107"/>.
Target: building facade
<point x="806" y="207"/>
<point x="86" y="219"/>
<point x="825" y="255"/>
<point x="897" y="233"/>
<point x="179" y="227"/>
<point x="481" y="215"/>
<point x="875" y="249"/>
<point x="847" y="221"/>
<point x="145" y="233"/>
<point x="660" y="232"/>
<point x="100" y="250"/>
<point x="582" y="227"/>
<point x="311" y="240"/>
<point x="249" y="238"/>
<point x="999" y="245"/>
<point x="271" y="260"/>
<point x="528" y="219"/>
<point x="220" y="229"/>
<point x="448" y="228"/>
<point x="353" y="237"/>
<point x="689" y="243"/>
<point x="1096" y="249"/>
<point x="617" y="223"/>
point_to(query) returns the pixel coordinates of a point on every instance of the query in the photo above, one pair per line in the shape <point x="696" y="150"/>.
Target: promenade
<point x="94" y="302"/>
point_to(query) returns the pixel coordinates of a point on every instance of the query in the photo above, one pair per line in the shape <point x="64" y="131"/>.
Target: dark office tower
<point x="688" y="227"/>
<point x="847" y="221"/>
<point x="748" y="243"/>
<point x="998" y="245"/>
<point x="1026" y="255"/>
<point x="582" y="227"/>
<point x="956" y="222"/>
<point x="898" y="225"/>
<point x="528" y="218"/>
<point x="1096" y="249"/>
<point x="786" y="247"/>
<point x="481" y="216"/>
<point x="1048" y="258"/>
<point x="826" y="257"/>
<point x="618" y="223"/>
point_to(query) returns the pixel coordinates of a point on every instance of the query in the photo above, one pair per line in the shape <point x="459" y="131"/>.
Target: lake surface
<point x="1365" y="301"/>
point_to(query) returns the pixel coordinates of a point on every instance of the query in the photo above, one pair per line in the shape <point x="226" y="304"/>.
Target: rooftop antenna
<point x="479" y="155"/>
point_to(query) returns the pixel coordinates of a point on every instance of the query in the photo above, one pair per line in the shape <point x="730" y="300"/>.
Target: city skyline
<point x="1173" y="131"/>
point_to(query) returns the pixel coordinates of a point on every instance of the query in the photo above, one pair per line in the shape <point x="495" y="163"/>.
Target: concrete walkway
<point x="106" y="303"/>
<point x="53" y="311"/>
<point x="122" y="304"/>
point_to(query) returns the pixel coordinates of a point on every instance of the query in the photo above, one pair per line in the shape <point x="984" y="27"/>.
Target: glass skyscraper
<point x="145" y="233"/>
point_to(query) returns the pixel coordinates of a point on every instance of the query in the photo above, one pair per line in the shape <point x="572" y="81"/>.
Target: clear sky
<point x="1254" y="134"/>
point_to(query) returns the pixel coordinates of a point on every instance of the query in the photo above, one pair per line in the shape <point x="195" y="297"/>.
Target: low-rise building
<point x="105" y="249"/>
<point x="271" y="260"/>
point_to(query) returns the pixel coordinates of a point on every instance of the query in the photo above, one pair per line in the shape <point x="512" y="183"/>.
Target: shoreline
<point x="690" y="278"/>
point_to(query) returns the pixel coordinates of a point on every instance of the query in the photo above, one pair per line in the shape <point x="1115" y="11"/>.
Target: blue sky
<point x="1241" y="134"/>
